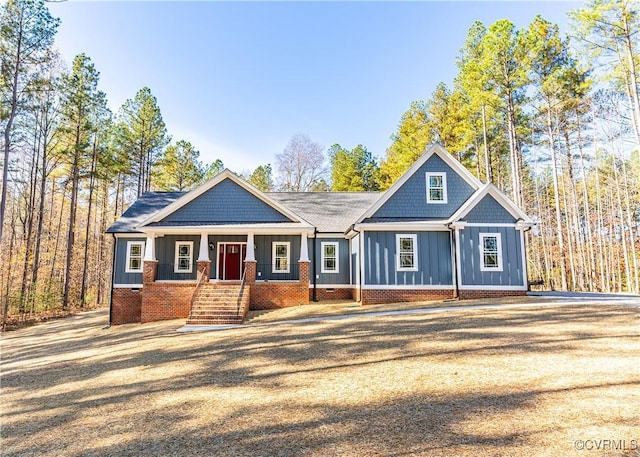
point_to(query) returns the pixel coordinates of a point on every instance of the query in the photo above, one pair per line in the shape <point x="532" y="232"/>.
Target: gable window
<point x="184" y="258"/>
<point x="436" y="187"/>
<point x="490" y="252"/>
<point x="135" y="250"/>
<point x="407" y="257"/>
<point x="280" y="253"/>
<point x="330" y="257"/>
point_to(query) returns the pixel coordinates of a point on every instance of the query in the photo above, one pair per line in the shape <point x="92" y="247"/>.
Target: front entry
<point x="231" y="260"/>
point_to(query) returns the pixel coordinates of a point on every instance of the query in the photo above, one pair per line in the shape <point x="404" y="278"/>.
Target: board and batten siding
<point x="434" y="260"/>
<point x="226" y="202"/>
<point x="121" y="277"/>
<point x="342" y="276"/>
<point x="355" y="259"/>
<point x="264" y="259"/>
<point x="165" y="254"/>
<point x="471" y="258"/>
<point x="410" y="200"/>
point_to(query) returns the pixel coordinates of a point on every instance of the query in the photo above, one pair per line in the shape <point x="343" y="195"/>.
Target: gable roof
<point x="146" y="205"/>
<point x="434" y="149"/>
<point x="329" y="212"/>
<point x="225" y="174"/>
<point x="499" y="196"/>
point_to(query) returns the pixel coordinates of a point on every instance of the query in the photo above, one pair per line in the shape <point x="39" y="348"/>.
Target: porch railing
<point x="201" y="277"/>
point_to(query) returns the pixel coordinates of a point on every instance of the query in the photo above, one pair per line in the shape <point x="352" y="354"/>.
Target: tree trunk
<point x="556" y="194"/>
<point x="75" y="178"/>
<point x="83" y="287"/>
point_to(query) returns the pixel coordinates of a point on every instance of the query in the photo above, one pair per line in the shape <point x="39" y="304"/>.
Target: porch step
<point x="219" y="304"/>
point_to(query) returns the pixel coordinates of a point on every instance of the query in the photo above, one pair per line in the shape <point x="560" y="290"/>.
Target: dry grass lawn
<point x="537" y="381"/>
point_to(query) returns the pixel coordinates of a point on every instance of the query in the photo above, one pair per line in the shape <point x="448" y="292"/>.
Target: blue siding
<point x="213" y="255"/>
<point x="355" y="261"/>
<point x="264" y="245"/>
<point x="488" y="211"/>
<point x="434" y="260"/>
<point x="120" y="277"/>
<point x="511" y="274"/>
<point x="226" y="202"/>
<point x="165" y="254"/>
<point x="410" y="200"/>
<point x="342" y="277"/>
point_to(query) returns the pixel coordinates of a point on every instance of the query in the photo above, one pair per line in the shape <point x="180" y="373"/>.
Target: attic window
<point x="436" y="187"/>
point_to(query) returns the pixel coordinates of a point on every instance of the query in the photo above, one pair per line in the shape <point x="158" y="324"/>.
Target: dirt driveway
<point x="545" y="380"/>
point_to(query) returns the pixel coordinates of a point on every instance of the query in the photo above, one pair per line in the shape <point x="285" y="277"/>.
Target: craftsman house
<point x="215" y="252"/>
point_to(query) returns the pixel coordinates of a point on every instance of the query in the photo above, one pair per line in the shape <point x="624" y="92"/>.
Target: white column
<point x="204" y="247"/>
<point x="250" y="255"/>
<point x="150" y="248"/>
<point x="304" y="249"/>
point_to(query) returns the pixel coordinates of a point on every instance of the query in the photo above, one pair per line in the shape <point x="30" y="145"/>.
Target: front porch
<point x="259" y="264"/>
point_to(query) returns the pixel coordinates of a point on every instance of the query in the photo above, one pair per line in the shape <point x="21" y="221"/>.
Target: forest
<point x="551" y="119"/>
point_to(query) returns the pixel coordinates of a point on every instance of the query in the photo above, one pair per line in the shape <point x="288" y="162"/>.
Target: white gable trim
<point x="217" y="179"/>
<point x="433" y="149"/>
<point x="501" y="198"/>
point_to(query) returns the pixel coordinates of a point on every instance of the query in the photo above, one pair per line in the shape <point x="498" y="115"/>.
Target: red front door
<point x="230" y="261"/>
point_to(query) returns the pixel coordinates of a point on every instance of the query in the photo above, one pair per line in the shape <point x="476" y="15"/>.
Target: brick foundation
<point x="126" y="306"/>
<point x="272" y="295"/>
<point x="162" y="301"/>
<point x="323" y="294"/>
<point x="379" y="296"/>
<point x="470" y="294"/>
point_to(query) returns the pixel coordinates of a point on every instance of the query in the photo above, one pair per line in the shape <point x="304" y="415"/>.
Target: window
<point x="183" y="261"/>
<point x="280" y="257"/>
<point x="490" y="252"/>
<point x="406" y="259"/>
<point x="436" y="188"/>
<point x="330" y="257"/>
<point x="135" y="250"/>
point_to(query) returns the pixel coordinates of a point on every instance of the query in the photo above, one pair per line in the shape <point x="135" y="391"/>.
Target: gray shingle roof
<point x="146" y="205"/>
<point x="332" y="212"/>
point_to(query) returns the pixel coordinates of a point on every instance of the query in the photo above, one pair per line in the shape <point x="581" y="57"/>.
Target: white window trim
<point x="336" y="245"/>
<point x="414" y="237"/>
<point x="175" y="259"/>
<point x="444" y="187"/>
<point x="128" y="257"/>
<point x="273" y="256"/>
<point x="498" y="237"/>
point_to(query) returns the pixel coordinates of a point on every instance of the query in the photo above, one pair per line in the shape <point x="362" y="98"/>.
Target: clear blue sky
<point x="238" y="79"/>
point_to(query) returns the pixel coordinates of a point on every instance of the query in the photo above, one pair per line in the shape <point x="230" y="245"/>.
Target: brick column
<point x="150" y="271"/>
<point x="304" y="272"/>
<point x="206" y="266"/>
<point x="250" y="271"/>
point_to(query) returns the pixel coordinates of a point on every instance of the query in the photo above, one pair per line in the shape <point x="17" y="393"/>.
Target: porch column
<point x="304" y="249"/>
<point x="250" y="260"/>
<point x="250" y="255"/>
<point x="150" y="264"/>
<point x="204" y="263"/>
<point x="150" y="248"/>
